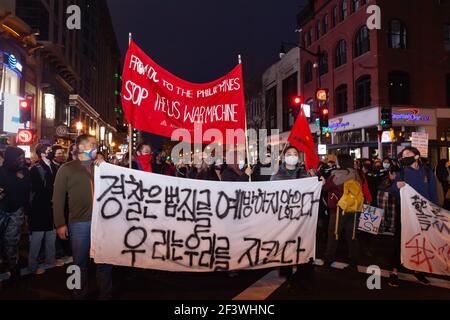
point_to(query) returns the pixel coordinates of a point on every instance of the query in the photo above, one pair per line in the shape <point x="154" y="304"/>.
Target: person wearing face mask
<point x="291" y="169"/>
<point x="334" y="186"/>
<point x="236" y="170"/>
<point x="423" y="180"/>
<point x="57" y="155"/>
<point x="77" y="180"/>
<point x="16" y="185"/>
<point x="143" y="158"/>
<point x="386" y="200"/>
<point x="41" y="226"/>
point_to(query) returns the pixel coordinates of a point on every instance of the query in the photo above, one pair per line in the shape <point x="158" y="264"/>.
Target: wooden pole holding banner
<point x="130" y="128"/>
<point x="247" y="150"/>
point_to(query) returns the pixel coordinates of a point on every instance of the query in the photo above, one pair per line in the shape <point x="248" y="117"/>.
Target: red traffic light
<point x="24" y="104"/>
<point x="297" y="101"/>
<point x="325" y="111"/>
<point x="24" y="136"/>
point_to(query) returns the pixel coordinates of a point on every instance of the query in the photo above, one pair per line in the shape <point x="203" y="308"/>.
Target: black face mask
<point x="406" y="162"/>
<point x="51" y="156"/>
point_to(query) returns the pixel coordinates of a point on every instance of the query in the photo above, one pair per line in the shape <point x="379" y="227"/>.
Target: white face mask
<point x="241" y="164"/>
<point x="291" y="160"/>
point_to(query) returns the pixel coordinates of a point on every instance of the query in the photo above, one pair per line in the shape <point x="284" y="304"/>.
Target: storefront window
<point x="12" y="82"/>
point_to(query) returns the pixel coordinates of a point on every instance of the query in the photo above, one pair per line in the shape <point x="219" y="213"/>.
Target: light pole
<point x="79" y="127"/>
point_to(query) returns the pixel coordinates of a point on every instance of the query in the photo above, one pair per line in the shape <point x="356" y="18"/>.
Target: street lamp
<point x="102" y="133"/>
<point x="79" y="127"/>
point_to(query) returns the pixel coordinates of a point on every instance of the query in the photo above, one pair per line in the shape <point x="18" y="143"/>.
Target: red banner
<point x="156" y="101"/>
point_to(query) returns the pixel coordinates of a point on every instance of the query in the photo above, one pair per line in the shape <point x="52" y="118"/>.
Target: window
<point x="397" y="35"/>
<point x="446" y="37"/>
<point x="318" y="29"/>
<point x="340" y="99"/>
<point x="344" y="10"/>
<point x="325" y="24"/>
<point x="323" y="63"/>
<point x="308" y="72"/>
<point x="363" y="96"/>
<point x="310" y="36"/>
<point x="308" y="39"/>
<point x="334" y="19"/>
<point x="399" y="87"/>
<point x="362" y="41"/>
<point x="271" y="107"/>
<point x="289" y="90"/>
<point x="341" y="53"/>
<point x="355" y="5"/>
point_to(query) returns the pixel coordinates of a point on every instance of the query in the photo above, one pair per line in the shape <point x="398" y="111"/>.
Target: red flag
<point x="302" y="139"/>
<point x="156" y="101"/>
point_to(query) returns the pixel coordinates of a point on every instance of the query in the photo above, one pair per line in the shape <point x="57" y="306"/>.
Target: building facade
<point x="77" y="70"/>
<point x="405" y="66"/>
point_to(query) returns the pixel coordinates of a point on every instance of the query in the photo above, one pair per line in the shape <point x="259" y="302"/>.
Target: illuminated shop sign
<point x="11" y="62"/>
<point x="339" y="125"/>
<point x="410" y="117"/>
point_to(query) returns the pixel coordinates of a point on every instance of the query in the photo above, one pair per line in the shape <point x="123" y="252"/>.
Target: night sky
<point x="199" y="40"/>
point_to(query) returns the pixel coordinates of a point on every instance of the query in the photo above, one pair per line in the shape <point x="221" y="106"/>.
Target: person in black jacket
<point x="15" y="183"/>
<point x="41" y="225"/>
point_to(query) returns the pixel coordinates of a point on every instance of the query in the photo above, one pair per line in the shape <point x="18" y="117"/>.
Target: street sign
<point x="62" y="131"/>
<point x="386" y="137"/>
<point x="322" y="149"/>
<point x="420" y="141"/>
<point x="25" y="136"/>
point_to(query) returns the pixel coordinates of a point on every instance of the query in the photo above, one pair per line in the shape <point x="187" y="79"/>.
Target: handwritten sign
<point x="153" y="221"/>
<point x="420" y="141"/>
<point x="425" y="234"/>
<point x="370" y="219"/>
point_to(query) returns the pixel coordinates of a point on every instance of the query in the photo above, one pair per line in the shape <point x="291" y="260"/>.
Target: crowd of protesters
<point x="53" y="198"/>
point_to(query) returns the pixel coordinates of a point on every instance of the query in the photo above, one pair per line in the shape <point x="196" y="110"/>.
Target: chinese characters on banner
<point x="158" y="102"/>
<point x="425" y="234"/>
<point x="159" y="222"/>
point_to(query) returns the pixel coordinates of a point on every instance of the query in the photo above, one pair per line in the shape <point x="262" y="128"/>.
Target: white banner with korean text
<point x="425" y="244"/>
<point x="153" y="221"/>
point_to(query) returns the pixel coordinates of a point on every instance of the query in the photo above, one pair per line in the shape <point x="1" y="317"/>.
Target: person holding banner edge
<point x="423" y="180"/>
<point x="290" y="169"/>
<point x="76" y="179"/>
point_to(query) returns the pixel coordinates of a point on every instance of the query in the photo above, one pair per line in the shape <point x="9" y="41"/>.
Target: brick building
<point x="404" y="65"/>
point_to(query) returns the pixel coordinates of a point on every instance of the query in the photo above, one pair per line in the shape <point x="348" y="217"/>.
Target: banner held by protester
<point x="158" y="222"/>
<point x="425" y="244"/>
<point x="156" y="101"/>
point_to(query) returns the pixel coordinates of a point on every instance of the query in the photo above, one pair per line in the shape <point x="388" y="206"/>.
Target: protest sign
<point x="370" y="219"/>
<point x="425" y="244"/>
<point x="153" y="221"/>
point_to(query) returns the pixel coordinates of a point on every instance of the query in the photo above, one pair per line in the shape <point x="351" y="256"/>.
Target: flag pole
<point x="130" y="128"/>
<point x="247" y="150"/>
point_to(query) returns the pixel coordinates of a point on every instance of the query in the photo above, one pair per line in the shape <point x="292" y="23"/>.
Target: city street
<point x="232" y="150"/>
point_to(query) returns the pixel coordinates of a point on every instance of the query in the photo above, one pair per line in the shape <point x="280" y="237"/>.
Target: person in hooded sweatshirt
<point x="16" y="185"/>
<point x="334" y="186"/>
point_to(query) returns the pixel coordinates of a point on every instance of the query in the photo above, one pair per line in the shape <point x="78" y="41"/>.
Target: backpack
<point x="352" y="199"/>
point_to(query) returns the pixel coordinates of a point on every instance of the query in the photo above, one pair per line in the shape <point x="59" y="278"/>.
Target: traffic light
<point x="386" y="118"/>
<point x="324" y="113"/>
<point x="25" y="107"/>
<point x="297" y="102"/>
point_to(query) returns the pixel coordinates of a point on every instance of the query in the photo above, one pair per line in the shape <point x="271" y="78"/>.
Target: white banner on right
<point x="425" y="244"/>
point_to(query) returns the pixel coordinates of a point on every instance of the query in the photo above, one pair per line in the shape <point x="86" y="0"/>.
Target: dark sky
<point x="199" y="40"/>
